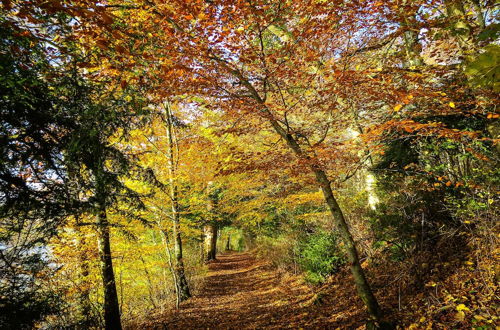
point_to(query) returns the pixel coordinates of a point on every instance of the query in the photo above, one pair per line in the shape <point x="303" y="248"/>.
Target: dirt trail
<point x="241" y="292"/>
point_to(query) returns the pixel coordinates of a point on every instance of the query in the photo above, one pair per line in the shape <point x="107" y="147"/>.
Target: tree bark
<point x="202" y="246"/>
<point x="111" y="306"/>
<point x="228" y="242"/>
<point x="412" y="46"/>
<point x="84" y="306"/>
<point x="184" y="292"/>
<point x="362" y="285"/>
<point x="172" y="270"/>
<point x="182" y="285"/>
<point x="211" y="242"/>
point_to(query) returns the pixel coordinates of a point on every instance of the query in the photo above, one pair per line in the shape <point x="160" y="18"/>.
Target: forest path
<point x="242" y="292"/>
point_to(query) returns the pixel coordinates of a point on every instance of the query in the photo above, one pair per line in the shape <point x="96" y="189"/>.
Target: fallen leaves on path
<point x="242" y="292"/>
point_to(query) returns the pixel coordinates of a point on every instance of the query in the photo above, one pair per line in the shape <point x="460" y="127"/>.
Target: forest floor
<point x="242" y="292"/>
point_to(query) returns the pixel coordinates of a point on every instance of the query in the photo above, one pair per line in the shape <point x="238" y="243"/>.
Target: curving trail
<point x="241" y="292"/>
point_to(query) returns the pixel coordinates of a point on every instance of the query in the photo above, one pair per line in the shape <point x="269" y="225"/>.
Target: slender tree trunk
<point x="362" y="284"/>
<point x="202" y="245"/>
<point x="184" y="292"/>
<point x="412" y="46"/>
<point x="150" y="283"/>
<point x="370" y="180"/>
<point x="249" y="241"/>
<point x="111" y="306"/>
<point x="210" y="242"/>
<point x="228" y="242"/>
<point x="84" y="309"/>
<point x="172" y="270"/>
<point x="183" y="287"/>
<point x="84" y="306"/>
<point x="211" y="229"/>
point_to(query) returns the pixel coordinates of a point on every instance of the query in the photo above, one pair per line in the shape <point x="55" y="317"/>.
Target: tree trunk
<point x="184" y="292"/>
<point x="362" y="284"/>
<point x="111" y="306"/>
<point x="360" y="280"/>
<point x="228" y="242"/>
<point x="182" y="285"/>
<point x="248" y="241"/>
<point x="412" y="46"/>
<point x="84" y="306"/>
<point x="210" y="242"/>
<point x="202" y="246"/>
<point x="172" y="270"/>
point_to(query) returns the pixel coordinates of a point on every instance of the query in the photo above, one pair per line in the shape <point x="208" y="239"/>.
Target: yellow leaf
<point x="398" y="107"/>
<point x="452" y="105"/>
<point x="460" y="316"/>
<point x="462" y="307"/>
<point x="479" y="318"/>
<point x="422" y="319"/>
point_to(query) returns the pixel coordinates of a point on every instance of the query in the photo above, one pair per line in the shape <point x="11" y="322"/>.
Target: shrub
<point x="320" y="256"/>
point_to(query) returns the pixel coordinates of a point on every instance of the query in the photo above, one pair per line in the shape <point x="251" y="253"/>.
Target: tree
<point x="35" y="199"/>
<point x="183" y="291"/>
<point x="261" y="71"/>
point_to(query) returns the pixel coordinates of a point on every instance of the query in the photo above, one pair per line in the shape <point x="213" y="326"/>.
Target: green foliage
<point x="33" y="199"/>
<point x="317" y="254"/>
<point x="395" y="228"/>
<point x="430" y="187"/>
<point x="240" y="245"/>
<point x="55" y="127"/>
<point x="484" y="70"/>
<point x="320" y="256"/>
